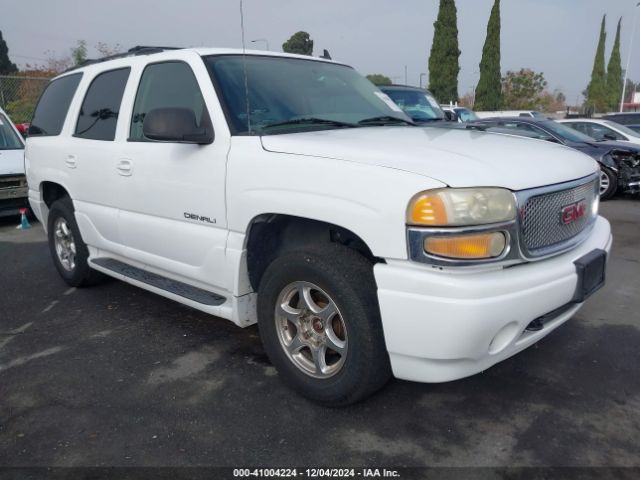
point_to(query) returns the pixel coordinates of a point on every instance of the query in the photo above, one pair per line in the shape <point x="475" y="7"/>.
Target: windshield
<point x="419" y="105"/>
<point x="288" y="94"/>
<point x="565" y="132"/>
<point x="9" y="139"/>
<point x="466" y="115"/>
<point x="622" y="129"/>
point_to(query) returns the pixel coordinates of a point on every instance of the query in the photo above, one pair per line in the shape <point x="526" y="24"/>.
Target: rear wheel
<point x="320" y="324"/>
<point x="68" y="251"/>
<point x="608" y="183"/>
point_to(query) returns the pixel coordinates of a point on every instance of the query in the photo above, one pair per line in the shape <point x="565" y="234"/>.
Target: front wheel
<point x="320" y="324"/>
<point x="608" y="183"/>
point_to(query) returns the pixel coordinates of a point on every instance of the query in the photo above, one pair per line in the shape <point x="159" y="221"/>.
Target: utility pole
<point x="405" y="75"/>
<point x="422" y="75"/>
<point x="626" y="72"/>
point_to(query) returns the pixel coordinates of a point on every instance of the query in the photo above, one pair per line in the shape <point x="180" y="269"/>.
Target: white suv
<point x="291" y="192"/>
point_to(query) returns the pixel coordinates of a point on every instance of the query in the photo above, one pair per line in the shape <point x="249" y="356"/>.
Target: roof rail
<point x="132" y="52"/>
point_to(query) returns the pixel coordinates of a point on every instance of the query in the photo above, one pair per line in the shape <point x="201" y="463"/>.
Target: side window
<point x="581" y="127"/>
<point x="599" y="132"/>
<point x="166" y="85"/>
<point x="99" y="112"/>
<point x="53" y="106"/>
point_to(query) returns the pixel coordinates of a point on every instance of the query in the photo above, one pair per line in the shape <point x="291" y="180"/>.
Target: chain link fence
<point x="19" y="94"/>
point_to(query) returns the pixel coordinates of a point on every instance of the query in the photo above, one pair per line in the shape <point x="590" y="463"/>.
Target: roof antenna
<point x="326" y="55"/>
<point x="244" y="65"/>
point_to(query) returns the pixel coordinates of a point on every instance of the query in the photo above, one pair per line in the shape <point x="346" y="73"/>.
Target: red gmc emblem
<point x="573" y="212"/>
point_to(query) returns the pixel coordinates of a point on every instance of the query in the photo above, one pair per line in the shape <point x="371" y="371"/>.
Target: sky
<point x="556" y="37"/>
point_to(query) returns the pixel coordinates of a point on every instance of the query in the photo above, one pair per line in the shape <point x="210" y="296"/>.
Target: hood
<point x="11" y="162"/>
<point x="458" y="158"/>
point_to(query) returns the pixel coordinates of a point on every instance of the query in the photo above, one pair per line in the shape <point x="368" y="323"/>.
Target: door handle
<point x="70" y="162"/>
<point x="125" y="167"/>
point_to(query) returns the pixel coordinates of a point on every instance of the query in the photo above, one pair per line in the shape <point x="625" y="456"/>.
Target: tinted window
<point x="600" y="132"/>
<point x="9" y="139"/>
<point x="53" y="106"/>
<point x="419" y="105"/>
<point x="99" y="113"/>
<point x="166" y="85"/>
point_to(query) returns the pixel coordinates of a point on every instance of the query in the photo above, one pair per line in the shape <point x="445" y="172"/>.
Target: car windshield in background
<point x="466" y="115"/>
<point x="538" y="115"/>
<point x="9" y="139"/>
<point x="420" y="106"/>
<point x="623" y="129"/>
<point x="565" y="132"/>
<point x="288" y="94"/>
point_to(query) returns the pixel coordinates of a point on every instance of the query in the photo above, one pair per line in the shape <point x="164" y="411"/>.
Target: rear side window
<point x="99" y="113"/>
<point x="166" y="85"/>
<point x="53" y="106"/>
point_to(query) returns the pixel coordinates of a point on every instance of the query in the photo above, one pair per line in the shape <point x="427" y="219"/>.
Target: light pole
<point x="266" y="42"/>
<point x="422" y="75"/>
<point x="626" y="72"/>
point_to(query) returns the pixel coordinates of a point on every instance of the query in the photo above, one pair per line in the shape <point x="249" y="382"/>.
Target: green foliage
<point x="379" y="79"/>
<point x="523" y="90"/>
<point x="614" y="73"/>
<point x="79" y="52"/>
<point x="597" y="96"/>
<point x="444" y="58"/>
<point x="300" y="43"/>
<point x="489" y="90"/>
<point x="6" y="67"/>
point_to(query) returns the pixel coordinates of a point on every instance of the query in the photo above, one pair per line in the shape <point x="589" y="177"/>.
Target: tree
<point x="444" y="63"/>
<point x="522" y="90"/>
<point x="614" y="73"/>
<point x="379" y="79"/>
<point x="597" y="98"/>
<point x="6" y="67"/>
<point x="553" y="102"/>
<point x="489" y="90"/>
<point x="79" y="53"/>
<point x="300" y="43"/>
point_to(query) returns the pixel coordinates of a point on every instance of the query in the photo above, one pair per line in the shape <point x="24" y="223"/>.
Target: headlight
<point x="449" y="207"/>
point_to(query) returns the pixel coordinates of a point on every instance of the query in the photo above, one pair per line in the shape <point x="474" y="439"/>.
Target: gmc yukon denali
<point x="291" y="192"/>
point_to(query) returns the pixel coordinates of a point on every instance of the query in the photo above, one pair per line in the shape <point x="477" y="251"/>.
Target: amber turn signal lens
<point x="428" y="210"/>
<point x="467" y="247"/>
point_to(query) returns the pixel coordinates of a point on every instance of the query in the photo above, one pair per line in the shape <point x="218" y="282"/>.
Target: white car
<point x="13" y="183"/>
<point x="603" y="129"/>
<point x="512" y="113"/>
<point x="289" y="191"/>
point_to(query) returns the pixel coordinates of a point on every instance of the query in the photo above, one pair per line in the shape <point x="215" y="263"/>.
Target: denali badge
<point x="193" y="216"/>
<point x="573" y="212"/>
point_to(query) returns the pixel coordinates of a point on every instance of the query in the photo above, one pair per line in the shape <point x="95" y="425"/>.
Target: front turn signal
<point x="468" y="246"/>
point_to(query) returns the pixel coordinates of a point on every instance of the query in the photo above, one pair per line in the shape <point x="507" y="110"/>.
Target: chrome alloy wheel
<point x="311" y="329"/>
<point x="65" y="244"/>
<point x="604" y="182"/>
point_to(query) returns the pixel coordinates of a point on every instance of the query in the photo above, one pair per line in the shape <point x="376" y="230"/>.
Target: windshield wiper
<point x="311" y="121"/>
<point x="385" y="120"/>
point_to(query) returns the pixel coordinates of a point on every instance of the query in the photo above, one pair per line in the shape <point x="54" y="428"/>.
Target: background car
<point x="419" y="104"/>
<point x="619" y="162"/>
<point x="512" y="113"/>
<point x="603" y="129"/>
<point x="625" y="118"/>
<point x="459" y="114"/>
<point x="13" y="184"/>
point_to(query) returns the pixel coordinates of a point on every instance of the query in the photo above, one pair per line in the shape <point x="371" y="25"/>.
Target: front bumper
<point x="445" y="325"/>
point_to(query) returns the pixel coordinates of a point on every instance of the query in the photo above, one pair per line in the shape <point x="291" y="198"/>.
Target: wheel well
<point x="270" y="235"/>
<point x="52" y="192"/>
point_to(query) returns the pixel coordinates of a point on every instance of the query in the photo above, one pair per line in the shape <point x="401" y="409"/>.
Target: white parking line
<point x="70" y="291"/>
<point x="50" y="306"/>
<point x="12" y="334"/>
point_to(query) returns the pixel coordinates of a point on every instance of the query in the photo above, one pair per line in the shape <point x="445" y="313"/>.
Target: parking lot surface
<point x="115" y="376"/>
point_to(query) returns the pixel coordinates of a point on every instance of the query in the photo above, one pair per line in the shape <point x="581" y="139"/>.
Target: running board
<point x="173" y="286"/>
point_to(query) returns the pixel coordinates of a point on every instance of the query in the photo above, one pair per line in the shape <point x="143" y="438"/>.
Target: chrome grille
<point x="541" y="226"/>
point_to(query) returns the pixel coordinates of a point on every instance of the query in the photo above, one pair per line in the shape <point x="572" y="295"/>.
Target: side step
<point x="173" y="286"/>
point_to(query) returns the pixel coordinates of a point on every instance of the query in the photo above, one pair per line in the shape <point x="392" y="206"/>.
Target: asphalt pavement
<point x="116" y="376"/>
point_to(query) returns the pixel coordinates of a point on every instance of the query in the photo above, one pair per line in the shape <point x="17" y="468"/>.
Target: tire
<point x="608" y="183"/>
<point x="65" y="239"/>
<point x="335" y="278"/>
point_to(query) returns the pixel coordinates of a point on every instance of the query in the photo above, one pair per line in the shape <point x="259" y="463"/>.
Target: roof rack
<point x="132" y="52"/>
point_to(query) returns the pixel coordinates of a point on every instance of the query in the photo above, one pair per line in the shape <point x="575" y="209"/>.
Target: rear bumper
<point x="12" y="206"/>
<point x="441" y="326"/>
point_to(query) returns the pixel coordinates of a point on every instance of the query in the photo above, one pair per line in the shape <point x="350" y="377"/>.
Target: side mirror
<point x="176" y="125"/>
